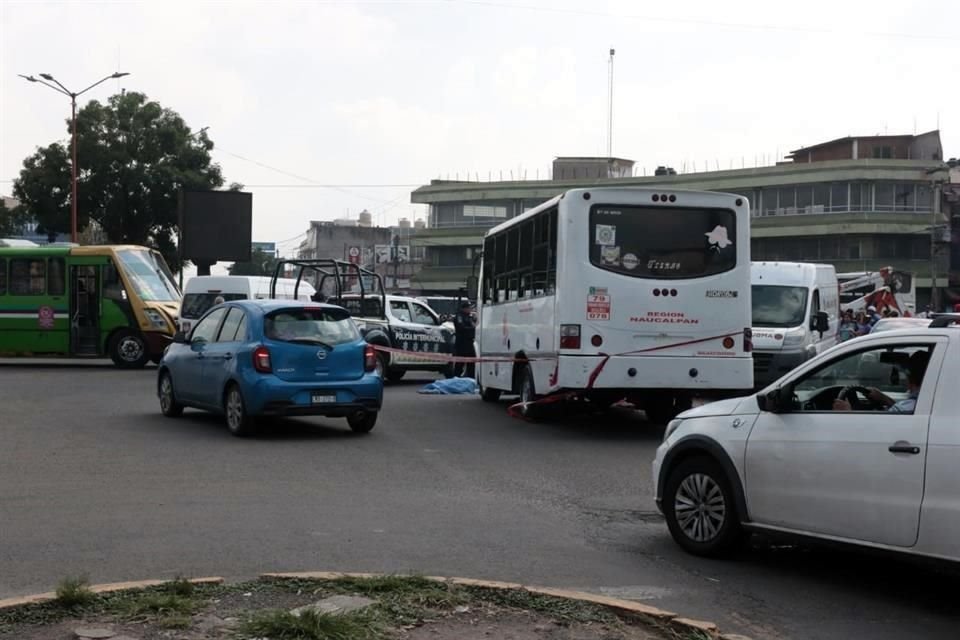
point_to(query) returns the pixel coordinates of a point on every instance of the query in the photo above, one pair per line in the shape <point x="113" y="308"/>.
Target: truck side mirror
<point x="820" y="322"/>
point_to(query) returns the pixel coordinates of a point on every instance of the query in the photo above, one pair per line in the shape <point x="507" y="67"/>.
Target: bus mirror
<point x="472" y="284"/>
<point x="180" y="337"/>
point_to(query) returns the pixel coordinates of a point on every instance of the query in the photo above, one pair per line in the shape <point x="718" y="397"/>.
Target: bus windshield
<point x="654" y="242"/>
<point x="149" y="275"/>
<point x="778" y="306"/>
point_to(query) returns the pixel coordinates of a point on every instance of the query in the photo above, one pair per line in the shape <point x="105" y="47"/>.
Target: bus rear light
<point x="261" y="360"/>
<point x="673" y="198"/>
<point x="656" y="198"/>
<point x="569" y="336"/>
<point x="728" y="343"/>
<point x="596" y="340"/>
<point x="748" y="340"/>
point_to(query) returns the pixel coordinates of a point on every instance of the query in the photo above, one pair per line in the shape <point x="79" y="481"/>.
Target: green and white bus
<point x="119" y="301"/>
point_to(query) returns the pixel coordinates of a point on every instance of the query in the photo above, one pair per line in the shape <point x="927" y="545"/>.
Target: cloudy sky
<point x="326" y="108"/>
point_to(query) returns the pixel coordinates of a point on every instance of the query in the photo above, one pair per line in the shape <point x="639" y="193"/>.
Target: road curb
<point x="109" y="587"/>
<point x="668" y="618"/>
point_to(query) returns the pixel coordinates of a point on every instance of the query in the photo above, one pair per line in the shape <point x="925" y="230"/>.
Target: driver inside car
<point x="916" y="367"/>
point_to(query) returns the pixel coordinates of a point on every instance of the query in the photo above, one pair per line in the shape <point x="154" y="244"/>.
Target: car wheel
<point x="239" y="422"/>
<point x="395" y="375"/>
<point x="488" y="394"/>
<point x="128" y="349"/>
<point x="362" y="421"/>
<point x="168" y="401"/>
<point x="699" y="508"/>
<point x="382" y="365"/>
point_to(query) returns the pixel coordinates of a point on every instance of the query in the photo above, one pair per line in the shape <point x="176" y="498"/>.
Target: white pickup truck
<point x="858" y="445"/>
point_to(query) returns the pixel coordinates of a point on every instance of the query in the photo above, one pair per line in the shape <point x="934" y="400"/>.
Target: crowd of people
<point x="860" y="323"/>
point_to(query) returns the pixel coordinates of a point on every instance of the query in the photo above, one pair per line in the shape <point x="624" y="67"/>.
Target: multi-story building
<point x="385" y="250"/>
<point x="859" y="203"/>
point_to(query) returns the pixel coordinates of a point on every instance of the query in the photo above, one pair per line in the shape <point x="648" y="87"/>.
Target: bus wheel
<point x="663" y="409"/>
<point x="128" y="349"/>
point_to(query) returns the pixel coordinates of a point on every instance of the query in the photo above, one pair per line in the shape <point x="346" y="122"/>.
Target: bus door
<point x="84" y="310"/>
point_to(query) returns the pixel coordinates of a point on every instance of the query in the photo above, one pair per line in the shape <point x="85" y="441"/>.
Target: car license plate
<point x="323" y="398"/>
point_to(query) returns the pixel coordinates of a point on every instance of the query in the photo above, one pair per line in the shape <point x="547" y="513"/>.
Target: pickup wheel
<point x="699" y="507"/>
<point x="383" y="364"/>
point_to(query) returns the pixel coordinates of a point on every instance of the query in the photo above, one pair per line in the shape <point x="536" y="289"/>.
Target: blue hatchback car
<point x="252" y="358"/>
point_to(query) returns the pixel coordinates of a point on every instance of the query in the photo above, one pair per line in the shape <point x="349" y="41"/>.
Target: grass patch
<point x="179" y="586"/>
<point x="75" y="592"/>
<point x="309" y="625"/>
<point x="559" y="609"/>
<point x="160" y="604"/>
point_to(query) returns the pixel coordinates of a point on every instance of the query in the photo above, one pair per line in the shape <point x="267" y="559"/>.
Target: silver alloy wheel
<point x="166" y="393"/>
<point x="380" y="367"/>
<point x="130" y="348"/>
<point x="699" y="507"/>
<point x="526" y="388"/>
<point x="234" y="409"/>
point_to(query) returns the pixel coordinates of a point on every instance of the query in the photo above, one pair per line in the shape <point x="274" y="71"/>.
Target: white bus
<point x="616" y="293"/>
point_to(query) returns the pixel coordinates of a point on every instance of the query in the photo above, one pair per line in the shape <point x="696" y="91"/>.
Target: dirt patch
<point x="390" y="608"/>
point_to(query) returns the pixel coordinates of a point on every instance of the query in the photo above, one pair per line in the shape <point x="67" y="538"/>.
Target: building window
<point x="905" y="198"/>
<point x="787" y="200"/>
<point x="768" y="201"/>
<point x="484" y="211"/>
<point x="821" y="198"/>
<point x="924" y="198"/>
<point x="804" y="199"/>
<point x="884" y="196"/>
<point x="838" y="196"/>
<point x="882" y="152"/>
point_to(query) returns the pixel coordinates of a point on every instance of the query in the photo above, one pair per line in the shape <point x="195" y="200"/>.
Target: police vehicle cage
<point x="942" y="320"/>
<point x="358" y="290"/>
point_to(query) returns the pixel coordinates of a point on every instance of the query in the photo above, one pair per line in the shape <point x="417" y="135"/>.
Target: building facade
<point x="827" y="204"/>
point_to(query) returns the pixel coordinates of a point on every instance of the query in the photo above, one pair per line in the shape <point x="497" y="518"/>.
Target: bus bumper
<point x="656" y="372"/>
<point x="157" y="342"/>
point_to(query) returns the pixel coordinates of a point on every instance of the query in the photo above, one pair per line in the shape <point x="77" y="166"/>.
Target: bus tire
<point x="395" y="375"/>
<point x="128" y="349"/>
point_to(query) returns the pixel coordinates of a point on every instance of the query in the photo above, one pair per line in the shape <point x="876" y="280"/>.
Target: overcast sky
<point x="356" y="94"/>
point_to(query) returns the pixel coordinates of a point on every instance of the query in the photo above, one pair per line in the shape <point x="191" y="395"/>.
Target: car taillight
<point x="569" y="336"/>
<point x="369" y="358"/>
<point x="748" y="340"/>
<point x="261" y="360"/>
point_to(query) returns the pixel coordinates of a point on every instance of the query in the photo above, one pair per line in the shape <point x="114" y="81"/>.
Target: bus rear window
<point x="662" y="242"/>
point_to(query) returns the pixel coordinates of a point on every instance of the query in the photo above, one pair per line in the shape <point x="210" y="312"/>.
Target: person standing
<point x="848" y="326"/>
<point x="465" y="328"/>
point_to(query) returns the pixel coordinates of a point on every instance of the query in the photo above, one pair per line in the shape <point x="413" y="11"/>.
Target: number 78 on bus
<point x="619" y="293"/>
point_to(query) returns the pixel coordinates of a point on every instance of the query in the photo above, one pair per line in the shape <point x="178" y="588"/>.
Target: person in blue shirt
<point x="916" y="368"/>
<point x="848" y="326"/>
<point x="872" y="315"/>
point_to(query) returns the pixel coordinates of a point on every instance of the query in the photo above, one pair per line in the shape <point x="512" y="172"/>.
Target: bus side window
<point x="28" y="276"/>
<point x="56" y="282"/>
<point x="112" y="284"/>
<point x="3" y="276"/>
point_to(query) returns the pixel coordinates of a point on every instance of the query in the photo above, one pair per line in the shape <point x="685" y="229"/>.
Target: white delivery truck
<point x="796" y="315"/>
<point x="200" y="293"/>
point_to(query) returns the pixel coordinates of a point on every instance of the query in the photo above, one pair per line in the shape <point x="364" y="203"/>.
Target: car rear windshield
<point x="662" y="242"/>
<point x="778" y="306"/>
<point x="195" y="305"/>
<point x="312" y="326"/>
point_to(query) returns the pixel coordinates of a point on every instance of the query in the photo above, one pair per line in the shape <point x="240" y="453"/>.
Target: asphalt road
<point x="94" y="480"/>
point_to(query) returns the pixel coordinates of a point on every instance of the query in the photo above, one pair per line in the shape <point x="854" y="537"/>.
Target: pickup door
<point x="852" y="474"/>
<point x="416" y="328"/>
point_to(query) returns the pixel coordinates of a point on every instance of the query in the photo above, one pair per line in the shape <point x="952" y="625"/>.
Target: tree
<point x="134" y="158"/>
<point x="43" y="190"/>
<point x="261" y="264"/>
<point x="11" y="220"/>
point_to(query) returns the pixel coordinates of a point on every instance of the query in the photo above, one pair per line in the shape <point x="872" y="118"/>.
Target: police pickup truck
<point x="397" y="323"/>
<point x="403" y="323"/>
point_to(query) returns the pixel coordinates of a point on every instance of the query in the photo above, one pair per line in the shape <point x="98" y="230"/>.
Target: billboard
<point x="216" y="225"/>
<point x="388" y="254"/>
<point x="269" y="248"/>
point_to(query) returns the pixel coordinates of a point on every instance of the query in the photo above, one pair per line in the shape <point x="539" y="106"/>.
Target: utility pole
<point x="610" y="107"/>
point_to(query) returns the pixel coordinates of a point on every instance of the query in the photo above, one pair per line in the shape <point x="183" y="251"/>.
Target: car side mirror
<point x="180" y="338"/>
<point x="820" y="322"/>
<point x="772" y="401"/>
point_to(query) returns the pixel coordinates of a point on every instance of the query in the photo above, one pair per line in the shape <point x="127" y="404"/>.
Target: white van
<point x="201" y="291"/>
<point x="796" y="315"/>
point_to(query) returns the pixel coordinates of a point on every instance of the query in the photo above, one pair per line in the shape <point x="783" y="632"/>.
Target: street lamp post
<point x="49" y="81"/>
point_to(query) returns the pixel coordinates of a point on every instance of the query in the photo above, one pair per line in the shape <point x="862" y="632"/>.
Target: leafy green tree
<point x="261" y="264"/>
<point x="134" y="158"/>
<point x="11" y="219"/>
<point x="43" y="190"/>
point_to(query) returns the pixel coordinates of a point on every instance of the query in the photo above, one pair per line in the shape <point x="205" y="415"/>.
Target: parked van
<point x="200" y="293"/>
<point x="796" y="315"/>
